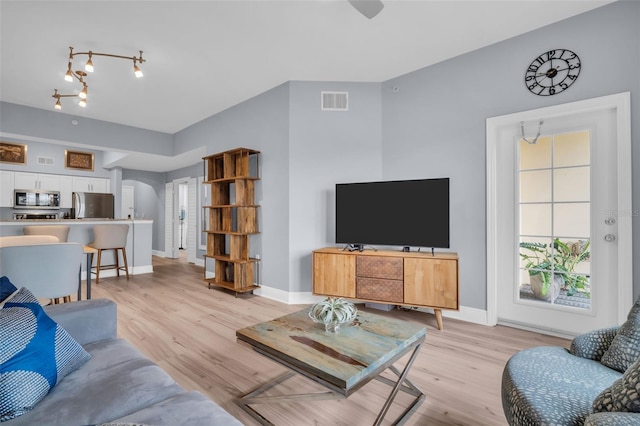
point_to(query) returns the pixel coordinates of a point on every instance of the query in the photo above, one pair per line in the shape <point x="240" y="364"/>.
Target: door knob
<point x="609" y="238"/>
<point x="610" y="221"/>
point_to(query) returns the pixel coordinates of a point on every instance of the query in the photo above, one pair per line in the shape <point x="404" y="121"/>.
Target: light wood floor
<point x="189" y="330"/>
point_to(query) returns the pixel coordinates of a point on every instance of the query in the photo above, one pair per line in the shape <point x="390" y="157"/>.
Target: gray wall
<point x="57" y="126"/>
<point x="148" y="201"/>
<point x="325" y="148"/>
<point x="261" y="123"/>
<point x="434" y="124"/>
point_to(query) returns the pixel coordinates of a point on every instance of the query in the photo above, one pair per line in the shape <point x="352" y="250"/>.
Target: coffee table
<point x="342" y="362"/>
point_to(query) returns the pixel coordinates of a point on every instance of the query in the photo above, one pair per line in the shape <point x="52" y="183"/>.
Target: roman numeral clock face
<point x="552" y="72"/>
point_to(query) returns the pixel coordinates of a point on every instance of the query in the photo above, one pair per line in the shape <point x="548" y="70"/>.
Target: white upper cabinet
<point x="37" y="181"/>
<point x="6" y="188"/>
<point x="66" y="188"/>
<point x="86" y="184"/>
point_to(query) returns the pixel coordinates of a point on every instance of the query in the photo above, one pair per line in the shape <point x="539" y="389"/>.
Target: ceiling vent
<point x="46" y="161"/>
<point x="335" y="101"/>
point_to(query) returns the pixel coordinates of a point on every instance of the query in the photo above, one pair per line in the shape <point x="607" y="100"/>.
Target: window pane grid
<point x="554" y="250"/>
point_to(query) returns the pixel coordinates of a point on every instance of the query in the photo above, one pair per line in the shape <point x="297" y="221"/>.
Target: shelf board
<point x="231" y="179"/>
<point x="230" y="286"/>
<point x="230" y="232"/>
<point x="227" y="258"/>
<point x="232" y="151"/>
<point x="227" y="206"/>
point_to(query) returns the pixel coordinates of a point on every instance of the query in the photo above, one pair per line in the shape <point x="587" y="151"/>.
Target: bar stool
<point x="110" y="237"/>
<point x="60" y="231"/>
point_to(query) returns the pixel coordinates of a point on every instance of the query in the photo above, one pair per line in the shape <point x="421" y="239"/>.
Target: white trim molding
<point x="621" y="103"/>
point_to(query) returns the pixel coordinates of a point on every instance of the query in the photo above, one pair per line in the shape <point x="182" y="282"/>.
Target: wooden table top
<point x="348" y="359"/>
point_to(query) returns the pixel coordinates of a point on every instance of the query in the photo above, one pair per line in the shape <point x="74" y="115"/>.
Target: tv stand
<point x="428" y="280"/>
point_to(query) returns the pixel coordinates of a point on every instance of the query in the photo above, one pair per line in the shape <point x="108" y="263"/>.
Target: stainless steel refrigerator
<point x="92" y="205"/>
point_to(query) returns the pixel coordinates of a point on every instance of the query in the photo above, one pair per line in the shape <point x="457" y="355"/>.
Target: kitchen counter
<point x="81" y="231"/>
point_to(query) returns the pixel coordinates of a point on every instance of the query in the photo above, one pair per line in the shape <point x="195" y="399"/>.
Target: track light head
<point x="69" y="74"/>
<point x="136" y="69"/>
<point x="88" y="67"/>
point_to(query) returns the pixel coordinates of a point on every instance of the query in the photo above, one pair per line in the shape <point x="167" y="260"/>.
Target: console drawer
<point x="380" y="267"/>
<point x="384" y="290"/>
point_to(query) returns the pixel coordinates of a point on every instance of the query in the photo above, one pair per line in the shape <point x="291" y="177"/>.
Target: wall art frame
<point x="78" y="160"/>
<point x="14" y="153"/>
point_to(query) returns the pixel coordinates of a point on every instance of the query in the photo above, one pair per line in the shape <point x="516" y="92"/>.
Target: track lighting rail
<point x="88" y="68"/>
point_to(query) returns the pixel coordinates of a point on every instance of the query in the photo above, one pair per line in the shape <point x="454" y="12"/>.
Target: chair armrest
<point x="86" y="321"/>
<point x="593" y="345"/>
<point x="611" y="419"/>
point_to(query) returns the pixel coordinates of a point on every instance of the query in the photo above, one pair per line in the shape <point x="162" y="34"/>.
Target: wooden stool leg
<point x="126" y="265"/>
<point x="115" y="252"/>
<point x="98" y="266"/>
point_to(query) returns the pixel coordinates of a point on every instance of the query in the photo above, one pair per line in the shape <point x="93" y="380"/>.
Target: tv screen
<point x="400" y="213"/>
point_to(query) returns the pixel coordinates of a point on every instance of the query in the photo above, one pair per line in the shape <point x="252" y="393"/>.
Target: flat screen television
<point x="408" y="213"/>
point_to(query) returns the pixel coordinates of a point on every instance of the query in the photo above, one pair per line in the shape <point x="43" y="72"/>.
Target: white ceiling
<point x="206" y="56"/>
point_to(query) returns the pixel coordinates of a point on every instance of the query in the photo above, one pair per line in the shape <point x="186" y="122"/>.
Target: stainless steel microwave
<point x="30" y="199"/>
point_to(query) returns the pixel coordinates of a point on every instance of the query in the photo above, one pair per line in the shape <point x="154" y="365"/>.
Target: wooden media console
<point x="418" y="279"/>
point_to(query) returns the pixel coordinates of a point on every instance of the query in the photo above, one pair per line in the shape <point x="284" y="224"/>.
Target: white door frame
<point x="621" y="103"/>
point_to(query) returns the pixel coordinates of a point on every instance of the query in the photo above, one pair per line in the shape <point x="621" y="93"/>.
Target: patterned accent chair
<point x="594" y="383"/>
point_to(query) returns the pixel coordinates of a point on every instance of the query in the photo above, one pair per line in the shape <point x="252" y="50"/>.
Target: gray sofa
<point x="118" y="384"/>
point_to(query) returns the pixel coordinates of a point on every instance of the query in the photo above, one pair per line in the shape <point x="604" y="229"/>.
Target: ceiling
<point x="203" y="57"/>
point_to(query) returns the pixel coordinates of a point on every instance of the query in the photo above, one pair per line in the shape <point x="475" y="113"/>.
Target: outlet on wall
<point x="258" y="256"/>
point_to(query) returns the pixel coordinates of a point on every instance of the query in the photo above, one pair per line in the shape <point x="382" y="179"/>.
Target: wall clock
<point x="552" y="72"/>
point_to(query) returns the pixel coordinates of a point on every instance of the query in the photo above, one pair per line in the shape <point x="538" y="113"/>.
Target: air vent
<point x="46" y="161"/>
<point x="335" y="101"/>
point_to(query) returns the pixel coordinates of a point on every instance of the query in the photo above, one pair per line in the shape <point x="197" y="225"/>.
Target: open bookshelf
<point x="232" y="218"/>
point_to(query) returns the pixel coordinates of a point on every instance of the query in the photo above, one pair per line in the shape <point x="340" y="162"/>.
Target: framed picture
<point x="78" y="160"/>
<point x="13" y="153"/>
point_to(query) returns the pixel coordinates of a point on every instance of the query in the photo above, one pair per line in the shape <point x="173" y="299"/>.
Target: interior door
<point x="558" y="199"/>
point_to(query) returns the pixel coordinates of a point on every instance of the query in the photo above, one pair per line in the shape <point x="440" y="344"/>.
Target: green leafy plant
<point x="559" y="259"/>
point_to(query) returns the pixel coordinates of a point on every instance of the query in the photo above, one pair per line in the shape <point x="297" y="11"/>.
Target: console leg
<point x="438" y="313"/>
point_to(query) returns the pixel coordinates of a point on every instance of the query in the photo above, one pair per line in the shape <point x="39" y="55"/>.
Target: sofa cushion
<point x="622" y="395"/>
<point x="6" y="288"/>
<point x="548" y="385"/>
<point x="36" y="353"/>
<point x="625" y="347"/>
<point x="117" y="381"/>
<point x="189" y="408"/>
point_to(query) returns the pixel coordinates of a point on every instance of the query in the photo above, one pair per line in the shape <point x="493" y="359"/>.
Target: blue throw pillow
<point x="35" y="354"/>
<point x="625" y="347"/>
<point x="6" y="288"/>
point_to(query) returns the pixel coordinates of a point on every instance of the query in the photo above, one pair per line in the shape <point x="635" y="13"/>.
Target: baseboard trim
<point x="467" y="314"/>
<point x="134" y="270"/>
<point x="288" y="297"/>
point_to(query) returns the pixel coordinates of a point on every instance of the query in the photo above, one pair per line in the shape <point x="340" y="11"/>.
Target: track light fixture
<point x="88" y="67"/>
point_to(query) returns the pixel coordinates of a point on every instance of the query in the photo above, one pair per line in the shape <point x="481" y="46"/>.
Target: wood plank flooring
<point x="189" y="330"/>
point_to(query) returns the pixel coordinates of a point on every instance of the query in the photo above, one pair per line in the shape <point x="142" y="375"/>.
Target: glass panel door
<point x="554" y="205"/>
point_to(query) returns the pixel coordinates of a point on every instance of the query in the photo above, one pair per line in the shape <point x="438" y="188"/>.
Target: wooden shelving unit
<point x="232" y="218"/>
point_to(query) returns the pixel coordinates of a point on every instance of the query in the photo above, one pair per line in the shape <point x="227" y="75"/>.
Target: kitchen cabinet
<point x="66" y="188"/>
<point x="37" y="181"/>
<point x="88" y="184"/>
<point x="6" y="188"/>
